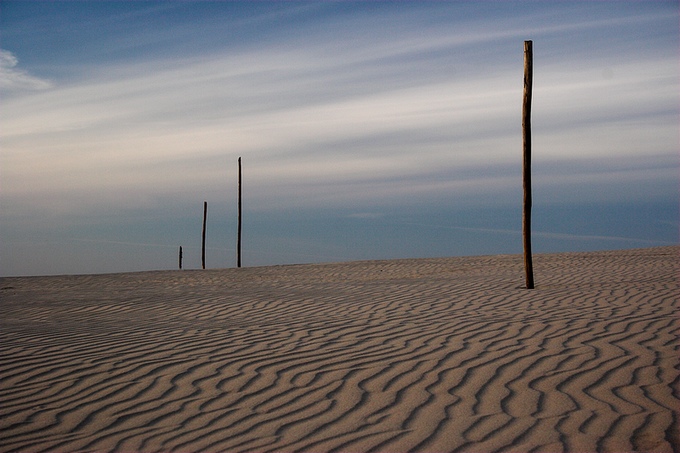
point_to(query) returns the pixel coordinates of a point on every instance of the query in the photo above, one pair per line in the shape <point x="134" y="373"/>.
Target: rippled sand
<point x="427" y="355"/>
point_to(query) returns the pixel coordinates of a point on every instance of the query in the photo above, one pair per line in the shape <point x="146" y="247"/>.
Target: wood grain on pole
<point x="526" y="167"/>
<point x="205" y="218"/>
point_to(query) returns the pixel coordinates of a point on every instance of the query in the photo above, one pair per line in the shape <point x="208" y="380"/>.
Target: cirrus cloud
<point x="15" y="79"/>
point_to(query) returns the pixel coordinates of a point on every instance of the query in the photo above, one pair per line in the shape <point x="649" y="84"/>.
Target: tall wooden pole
<point x="180" y="257"/>
<point x="238" y="244"/>
<point x="205" y="218"/>
<point x="526" y="168"/>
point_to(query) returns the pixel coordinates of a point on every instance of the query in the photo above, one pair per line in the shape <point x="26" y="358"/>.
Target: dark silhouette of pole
<point x="180" y="257"/>
<point x="205" y="218"/>
<point x="526" y="167"/>
<point x="238" y="242"/>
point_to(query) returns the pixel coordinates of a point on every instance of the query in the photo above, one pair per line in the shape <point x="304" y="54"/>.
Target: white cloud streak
<point x="13" y="79"/>
<point x="327" y="121"/>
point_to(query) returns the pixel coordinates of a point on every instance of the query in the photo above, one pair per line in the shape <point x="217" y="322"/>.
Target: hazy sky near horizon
<point x="367" y="130"/>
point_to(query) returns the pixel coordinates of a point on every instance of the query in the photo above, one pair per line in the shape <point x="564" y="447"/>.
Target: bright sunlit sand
<point x="428" y="355"/>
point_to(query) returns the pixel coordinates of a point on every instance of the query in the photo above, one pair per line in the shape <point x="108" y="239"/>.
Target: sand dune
<point x="424" y="355"/>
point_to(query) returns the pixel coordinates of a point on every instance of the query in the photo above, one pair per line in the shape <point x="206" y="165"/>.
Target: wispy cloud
<point x="14" y="79"/>
<point x="306" y="124"/>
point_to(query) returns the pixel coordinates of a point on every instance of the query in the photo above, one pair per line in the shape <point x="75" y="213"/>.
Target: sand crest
<point x="427" y="355"/>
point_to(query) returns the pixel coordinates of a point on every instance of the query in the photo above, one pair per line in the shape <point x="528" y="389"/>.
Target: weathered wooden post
<point x="180" y="257"/>
<point x="526" y="167"/>
<point x="238" y="242"/>
<point x="205" y="218"/>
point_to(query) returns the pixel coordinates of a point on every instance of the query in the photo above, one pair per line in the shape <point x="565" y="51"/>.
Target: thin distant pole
<point x="526" y="167"/>
<point x="180" y="257"/>
<point x="240" y="210"/>
<point x="205" y="218"/>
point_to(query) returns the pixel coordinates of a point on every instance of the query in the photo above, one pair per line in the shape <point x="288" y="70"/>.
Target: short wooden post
<point x="238" y="242"/>
<point x="180" y="257"/>
<point x="526" y="167"/>
<point x="205" y="218"/>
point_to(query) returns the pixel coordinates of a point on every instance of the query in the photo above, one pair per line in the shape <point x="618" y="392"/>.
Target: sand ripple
<point x="406" y="355"/>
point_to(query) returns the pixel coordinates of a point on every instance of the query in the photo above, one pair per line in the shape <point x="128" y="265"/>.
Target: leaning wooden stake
<point x="238" y="243"/>
<point x="205" y="217"/>
<point x="526" y="168"/>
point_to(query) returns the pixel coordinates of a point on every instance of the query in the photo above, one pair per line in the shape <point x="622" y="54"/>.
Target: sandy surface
<point x="427" y="355"/>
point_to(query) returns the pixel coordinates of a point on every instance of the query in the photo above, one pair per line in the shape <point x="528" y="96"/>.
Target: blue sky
<point x="368" y="130"/>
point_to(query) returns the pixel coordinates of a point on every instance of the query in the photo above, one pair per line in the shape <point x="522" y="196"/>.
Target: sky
<point x="367" y="130"/>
